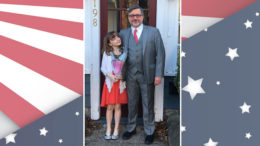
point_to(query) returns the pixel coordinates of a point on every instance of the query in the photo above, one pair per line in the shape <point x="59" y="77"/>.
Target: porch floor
<point x="97" y="138"/>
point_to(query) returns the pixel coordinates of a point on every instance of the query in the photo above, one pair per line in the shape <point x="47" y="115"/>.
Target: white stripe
<point x="66" y="47"/>
<point x="43" y="93"/>
<point x="7" y="126"/>
<point x="69" y="14"/>
<point x="190" y="25"/>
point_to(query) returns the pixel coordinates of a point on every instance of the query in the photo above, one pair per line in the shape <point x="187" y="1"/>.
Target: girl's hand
<point x="119" y="77"/>
<point x="112" y="77"/>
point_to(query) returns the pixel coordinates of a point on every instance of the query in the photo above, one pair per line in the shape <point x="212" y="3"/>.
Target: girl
<point x="114" y="92"/>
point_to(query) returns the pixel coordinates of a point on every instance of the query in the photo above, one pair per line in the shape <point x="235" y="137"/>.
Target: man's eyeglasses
<point x="137" y="15"/>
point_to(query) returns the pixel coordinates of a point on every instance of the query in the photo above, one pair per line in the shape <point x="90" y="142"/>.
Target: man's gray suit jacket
<point x="153" y="52"/>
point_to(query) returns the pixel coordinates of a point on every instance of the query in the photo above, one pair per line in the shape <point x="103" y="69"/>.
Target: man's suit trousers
<point x="137" y="84"/>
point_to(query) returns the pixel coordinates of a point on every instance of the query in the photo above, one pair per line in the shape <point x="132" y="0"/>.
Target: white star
<point x="248" y="135"/>
<point x="218" y="82"/>
<point x="194" y="87"/>
<point x="77" y="113"/>
<point x="248" y="24"/>
<point x="43" y="131"/>
<point x="183" y="128"/>
<point x="232" y="53"/>
<point x="206" y="29"/>
<point x="245" y="108"/>
<point x="211" y="143"/>
<point x="257" y="13"/>
<point x="60" y="140"/>
<point x="10" y="138"/>
<point x="183" y="54"/>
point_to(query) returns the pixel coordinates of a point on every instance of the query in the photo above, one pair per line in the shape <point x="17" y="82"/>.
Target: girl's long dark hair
<point x="109" y="36"/>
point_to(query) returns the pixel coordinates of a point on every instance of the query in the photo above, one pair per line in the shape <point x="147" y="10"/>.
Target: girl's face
<point x="115" y="41"/>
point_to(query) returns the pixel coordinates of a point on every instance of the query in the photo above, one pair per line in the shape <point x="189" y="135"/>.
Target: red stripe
<point x="183" y="38"/>
<point x="63" y="71"/>
<point x="49" y="3"/>
<point x="16" y="108"/>
<point x="213" y="8"/>
<point x="61" y="27"/>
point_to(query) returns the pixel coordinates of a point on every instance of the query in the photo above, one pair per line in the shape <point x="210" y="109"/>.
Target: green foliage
<point x="177" y="77"/>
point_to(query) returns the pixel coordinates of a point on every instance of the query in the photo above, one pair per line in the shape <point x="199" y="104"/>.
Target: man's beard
<point x="136" y="24"/>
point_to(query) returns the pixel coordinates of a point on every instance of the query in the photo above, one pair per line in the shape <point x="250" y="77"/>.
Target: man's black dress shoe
<point x="149" y="139"/>
<point x="127" y="135"/>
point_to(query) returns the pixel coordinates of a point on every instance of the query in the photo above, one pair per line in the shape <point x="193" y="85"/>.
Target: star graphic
<point x="77" y="113"/>
<point x="248" y="24"/>
<point x="60" y="140"/>
<point x="183" y="128"/>
<point x="43" y="131"/>
<point x="211" y="143"/>
<point x="183" y="54"/>
<point x="257" y="13"/>
<point x="248" y="135"/>
<point x="232" y="53"/>
<point x="206" y="29"/>
<point x="194" y="87"/>
<point x="10" y="138"/>
<point x="245" y="108"/>
<point x="218" y="82"/>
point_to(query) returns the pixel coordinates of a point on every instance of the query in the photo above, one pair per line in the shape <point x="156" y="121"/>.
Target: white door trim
<point x="92" y="37"/>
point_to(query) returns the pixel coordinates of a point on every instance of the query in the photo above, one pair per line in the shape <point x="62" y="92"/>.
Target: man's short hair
<point x="129" y="10"/>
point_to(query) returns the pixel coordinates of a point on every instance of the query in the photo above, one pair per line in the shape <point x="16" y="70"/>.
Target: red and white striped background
<point x="41" y="58"/>
<point x="198" y="15"/>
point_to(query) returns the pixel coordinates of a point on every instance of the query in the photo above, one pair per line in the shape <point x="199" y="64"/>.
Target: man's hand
<point x="157" y="81"/>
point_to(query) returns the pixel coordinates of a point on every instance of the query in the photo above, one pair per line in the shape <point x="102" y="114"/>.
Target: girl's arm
<point x="104" y="69"/>
<point x="103" y="64"/>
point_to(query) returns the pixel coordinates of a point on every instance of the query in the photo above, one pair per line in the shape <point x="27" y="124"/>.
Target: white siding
<point x="167" y="23"/>
<point x="87" y="36"/>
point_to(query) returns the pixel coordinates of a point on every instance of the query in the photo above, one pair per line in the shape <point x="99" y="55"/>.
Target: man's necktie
<point x="135" y="36"/>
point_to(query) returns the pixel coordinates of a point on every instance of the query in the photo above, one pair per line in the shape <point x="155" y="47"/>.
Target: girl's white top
<point x="106" y="67"/>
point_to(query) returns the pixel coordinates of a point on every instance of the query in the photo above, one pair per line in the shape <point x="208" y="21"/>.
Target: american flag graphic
<point x="198" y="15"/>
<point x="41" y="59"/>
<point x="220" y="82"/>
<point x="63" y="127"/>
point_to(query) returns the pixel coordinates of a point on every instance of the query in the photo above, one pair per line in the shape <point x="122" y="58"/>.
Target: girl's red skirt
<point x="113" y="97"/>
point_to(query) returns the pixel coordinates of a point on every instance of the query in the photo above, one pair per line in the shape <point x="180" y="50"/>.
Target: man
<point x="143" y="70"/>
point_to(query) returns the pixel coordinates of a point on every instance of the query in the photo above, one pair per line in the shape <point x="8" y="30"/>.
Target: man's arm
<point x="124" y="69"/>
<point x="160" y="58"/>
